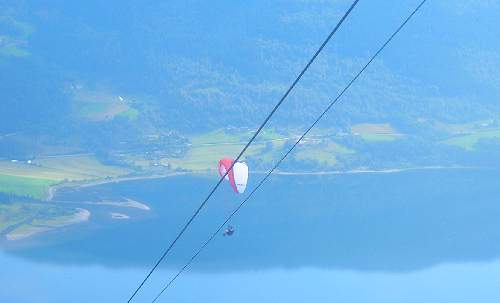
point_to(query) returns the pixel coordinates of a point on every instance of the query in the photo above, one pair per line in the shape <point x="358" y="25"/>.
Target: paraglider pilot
<point x="229" y="231"/>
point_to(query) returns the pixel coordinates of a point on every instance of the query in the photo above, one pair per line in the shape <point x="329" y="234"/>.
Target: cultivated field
<point x="33" y="179"/>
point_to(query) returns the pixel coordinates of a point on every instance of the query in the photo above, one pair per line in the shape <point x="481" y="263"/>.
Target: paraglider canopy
<point x="237" y="177"/>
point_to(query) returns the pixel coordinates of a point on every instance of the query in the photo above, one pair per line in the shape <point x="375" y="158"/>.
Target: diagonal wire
<point x="325" y="42"/>
<point x="290" y="150"/>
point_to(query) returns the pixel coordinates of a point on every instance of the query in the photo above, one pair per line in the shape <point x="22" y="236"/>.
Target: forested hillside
<point x="150" y="71"/>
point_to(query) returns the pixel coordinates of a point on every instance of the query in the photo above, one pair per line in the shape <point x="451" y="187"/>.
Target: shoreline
<point x="31" y="229"/>
<point x="54" y="188"/>
<point x="119" y="203"/>
<point x="368" y="171"/>
<point x="52" y="191"/>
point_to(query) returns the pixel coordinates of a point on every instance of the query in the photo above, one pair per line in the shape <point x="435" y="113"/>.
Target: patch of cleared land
<point x="467" y="135"/>
<point x="467" y="128"/>
<point x="101" y="106"/>
<point x="130" y="114"/>
<point x="468" y="142"/>
<point x="82" y="167"/>
<point x="373" y="132"/>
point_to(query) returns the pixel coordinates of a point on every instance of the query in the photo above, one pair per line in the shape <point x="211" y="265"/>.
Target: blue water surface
<point x="415" y="236"/>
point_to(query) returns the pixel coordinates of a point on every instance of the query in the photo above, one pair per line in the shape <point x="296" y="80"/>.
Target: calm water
<point x="420" y="236"/>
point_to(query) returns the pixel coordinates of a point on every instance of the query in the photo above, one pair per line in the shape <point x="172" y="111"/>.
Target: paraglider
<point x="237" y="177"/>
<point x="229" y="231"/>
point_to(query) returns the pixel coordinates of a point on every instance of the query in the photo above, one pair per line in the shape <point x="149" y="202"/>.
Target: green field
<point x="466" y="128"/>
<point x="201" y="158"/>
<point x="468" y="142"/>
<point x="207" y="149"/>
<point x="130" y="114"/>
<point x="322" y="153"/>
<point x="372" y="132"/>
<point x="33" y="180"/>
<point x="378" y="137"/>
<point x="101" y="105"/>
<point x="25" y="186"/>
<point x="80" y="167"/>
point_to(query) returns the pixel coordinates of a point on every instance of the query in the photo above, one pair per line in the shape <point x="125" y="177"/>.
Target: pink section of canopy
<point x="224" y="166"/>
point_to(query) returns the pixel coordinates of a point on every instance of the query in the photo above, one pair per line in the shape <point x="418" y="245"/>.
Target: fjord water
<point x="414" y="236"/>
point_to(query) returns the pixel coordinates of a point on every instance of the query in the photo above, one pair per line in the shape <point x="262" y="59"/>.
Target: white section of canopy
<point x="240" y="170"/>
